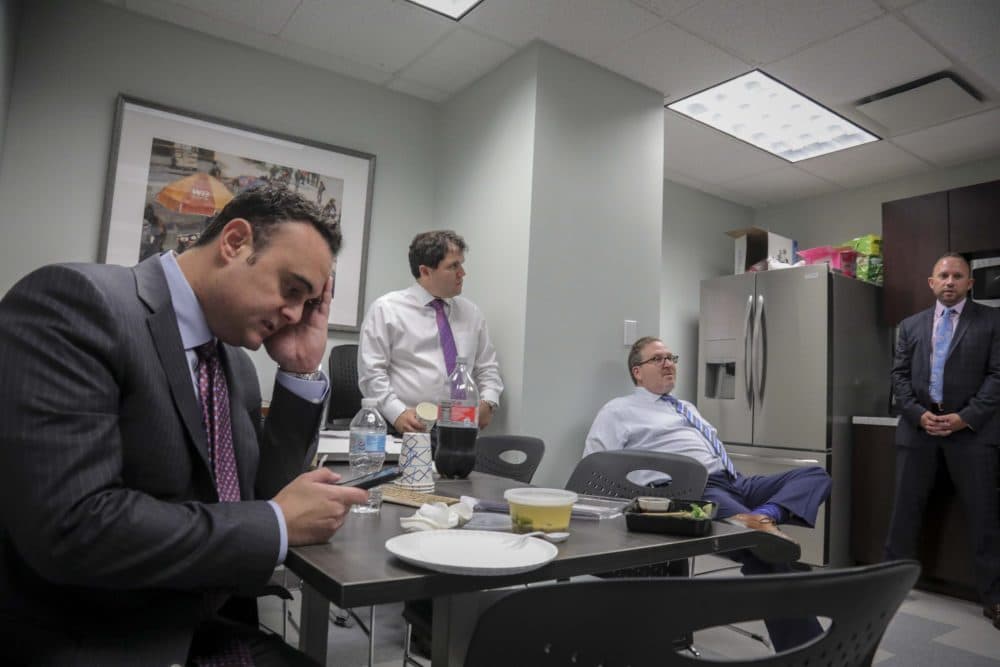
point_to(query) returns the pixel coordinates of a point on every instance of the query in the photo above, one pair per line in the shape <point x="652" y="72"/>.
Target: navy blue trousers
<point x="800" y="492"/>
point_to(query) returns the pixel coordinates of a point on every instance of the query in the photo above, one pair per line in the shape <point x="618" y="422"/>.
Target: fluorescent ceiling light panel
<point x="762" y="111"/>
<point x="453" y="9"/>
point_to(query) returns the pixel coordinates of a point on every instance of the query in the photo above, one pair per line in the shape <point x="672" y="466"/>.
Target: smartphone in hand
<point x="373" y="478"/>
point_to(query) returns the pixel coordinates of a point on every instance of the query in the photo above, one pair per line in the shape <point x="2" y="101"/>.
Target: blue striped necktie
<point x="941" y="342"/>
<point x="706" y="430"/>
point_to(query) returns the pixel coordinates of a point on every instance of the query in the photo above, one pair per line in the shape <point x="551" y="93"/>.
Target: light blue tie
<point x="942" y="341"/>
<point x="706" y="430"/>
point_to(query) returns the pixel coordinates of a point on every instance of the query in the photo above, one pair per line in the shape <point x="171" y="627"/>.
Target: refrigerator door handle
<point x="762" y="353"/>
<point x="757" y="351"/>
<point x="779" y="460"/>
<point x="748" y="351"/>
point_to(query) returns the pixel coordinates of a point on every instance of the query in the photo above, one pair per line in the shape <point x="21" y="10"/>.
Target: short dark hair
<point x="266" y="206"/>
<point x="953" y="255"/>
<point x="635" y="354"/>
<point x="430" y="248"/>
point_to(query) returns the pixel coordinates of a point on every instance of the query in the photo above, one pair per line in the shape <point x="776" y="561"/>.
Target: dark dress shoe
<point x="992" y="611"/>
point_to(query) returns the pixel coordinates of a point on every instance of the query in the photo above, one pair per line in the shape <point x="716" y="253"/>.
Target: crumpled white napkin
<point x="434" y="516"/>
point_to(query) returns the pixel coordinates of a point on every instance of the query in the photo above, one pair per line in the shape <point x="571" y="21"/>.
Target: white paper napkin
<point x="434" y="516"/>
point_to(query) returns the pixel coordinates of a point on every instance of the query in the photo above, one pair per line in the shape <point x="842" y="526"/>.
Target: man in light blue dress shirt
<point x="650" y="418"/>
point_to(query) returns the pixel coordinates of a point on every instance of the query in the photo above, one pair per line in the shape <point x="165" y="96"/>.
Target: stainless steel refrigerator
<point x="785" y="359"/>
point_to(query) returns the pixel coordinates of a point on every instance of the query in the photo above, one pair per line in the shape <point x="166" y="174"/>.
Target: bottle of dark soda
<point x="457" y="423"/>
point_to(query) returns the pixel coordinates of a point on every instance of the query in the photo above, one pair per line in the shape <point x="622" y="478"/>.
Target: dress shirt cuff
<point x="283" y="529"/>
<point x="491" y="396"/>
<point x="392" y="409"/>
<point x="314" y="391"/>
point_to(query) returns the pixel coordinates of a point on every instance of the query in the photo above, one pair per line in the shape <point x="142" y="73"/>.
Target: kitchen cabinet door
<point x="974" y="218"/>
<point x="914" y="235"/>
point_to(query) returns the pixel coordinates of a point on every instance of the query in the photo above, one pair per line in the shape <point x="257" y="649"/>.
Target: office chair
<point x="345" y="396"/>
<point x="630" y="621"/>
<point x="606" y="474"/>
<point x="512" y="456"/>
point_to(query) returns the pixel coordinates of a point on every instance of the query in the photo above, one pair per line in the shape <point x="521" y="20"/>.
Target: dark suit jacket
<point x="971" y="375"/>
<point x="113" y="546"/>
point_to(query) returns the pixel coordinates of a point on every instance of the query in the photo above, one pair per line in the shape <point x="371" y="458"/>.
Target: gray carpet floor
<point x="928" y="631"/>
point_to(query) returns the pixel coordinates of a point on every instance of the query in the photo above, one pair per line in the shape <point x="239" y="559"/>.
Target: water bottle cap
<point x="369" y="403"/>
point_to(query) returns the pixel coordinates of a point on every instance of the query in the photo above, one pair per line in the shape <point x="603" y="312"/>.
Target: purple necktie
<point x="445" y="335"/>
<point x="214" y="395"/>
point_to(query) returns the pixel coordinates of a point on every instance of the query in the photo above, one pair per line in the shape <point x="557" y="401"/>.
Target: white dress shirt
<point x="642" y="420"/>
<point x="400" y="362"/>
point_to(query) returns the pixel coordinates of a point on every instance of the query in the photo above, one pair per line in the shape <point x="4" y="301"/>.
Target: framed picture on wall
<point x="171" y="171"/>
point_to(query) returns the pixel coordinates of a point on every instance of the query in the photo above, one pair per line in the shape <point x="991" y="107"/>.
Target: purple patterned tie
<point x="214" y="396"/>
<point x="445" y="335"/>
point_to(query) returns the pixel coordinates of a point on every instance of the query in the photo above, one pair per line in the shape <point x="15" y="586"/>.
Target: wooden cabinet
<point x="974" y="218"/>
<point x="914" y="234"/>
<point x="918" y="230"/>
<point x="944" y="553"/>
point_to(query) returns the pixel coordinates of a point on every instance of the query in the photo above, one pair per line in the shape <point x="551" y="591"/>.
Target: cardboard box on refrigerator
<point x="754" y="244"/>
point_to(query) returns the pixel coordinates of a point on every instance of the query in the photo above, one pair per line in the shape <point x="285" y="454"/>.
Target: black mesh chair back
<point x="621" y="622"/>
<point x="345" y="397"/>
<point x="606" y="474"/>
<point x="512" y="456"/>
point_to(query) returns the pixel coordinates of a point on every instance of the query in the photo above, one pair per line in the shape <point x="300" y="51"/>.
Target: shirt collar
<point x="190" y="317"/>
<point x="646" y="394"/>
<point x="958" y="307"/>
<point x="424" y="297"/>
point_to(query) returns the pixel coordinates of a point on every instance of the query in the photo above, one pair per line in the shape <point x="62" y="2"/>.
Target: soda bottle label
<point x="463" y="414"/>
<point x="375" y="442"/>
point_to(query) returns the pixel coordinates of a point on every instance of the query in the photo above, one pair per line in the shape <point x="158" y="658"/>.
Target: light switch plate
<point x="631" y="326"/>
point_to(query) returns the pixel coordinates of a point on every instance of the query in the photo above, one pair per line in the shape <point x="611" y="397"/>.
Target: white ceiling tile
<point x="267" y="16"/>
<point x="989" y="69"/>
<point x="762" y="31"/>
<point x="963" y="140"/>
<point x="967" y="29"/>
<point x="868" y="60"/>
<point x="417" y="89"/>
<point x="456" y="61"/>
<point x="711" y="189"/>
<point x="672" y="61"/>
<point x="380" y="33"/>
<point x="708" y="155"/>
<point x="863" y="165"/>
<point x="250" y="38"/>
<point x="782" y="184"/>
<point x="587" y="28"/>
<point x="666" y="8"/>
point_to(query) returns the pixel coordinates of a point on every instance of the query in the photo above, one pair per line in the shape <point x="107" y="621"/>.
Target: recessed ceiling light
<point x="762" y="111"/>
<point x="453" y="9"/>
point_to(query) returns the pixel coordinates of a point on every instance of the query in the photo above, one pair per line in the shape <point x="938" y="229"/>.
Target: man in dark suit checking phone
<point x="946" y="379"/>
<point x="142" y="494"/>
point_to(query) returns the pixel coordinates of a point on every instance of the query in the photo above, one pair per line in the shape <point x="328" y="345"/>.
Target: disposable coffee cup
<point x="427" y="413"/>
<point x="415" y="462"/>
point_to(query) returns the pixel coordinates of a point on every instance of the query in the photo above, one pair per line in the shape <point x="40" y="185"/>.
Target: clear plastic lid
<point x="540" y="497"/>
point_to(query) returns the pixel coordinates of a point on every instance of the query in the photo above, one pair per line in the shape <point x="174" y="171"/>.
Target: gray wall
<point x="551" y="168"/>
<point x="10" y="11"/>
<point x="836" y="218"/>
<point x="486" y="137"/>
<point x="75" y="57"/>
<point x="695" y="247"/>
<point x="594" y="254"/>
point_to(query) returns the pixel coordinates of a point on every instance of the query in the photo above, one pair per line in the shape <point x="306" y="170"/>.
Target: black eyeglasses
<point x="659" y="359"/>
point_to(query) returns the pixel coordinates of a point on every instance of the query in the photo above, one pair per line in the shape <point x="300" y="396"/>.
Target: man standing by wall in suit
<point x="404" y="353"/>
<point x="946" y="379"/>
<point x="652" y="418"/>
<point x="133" y="448"/>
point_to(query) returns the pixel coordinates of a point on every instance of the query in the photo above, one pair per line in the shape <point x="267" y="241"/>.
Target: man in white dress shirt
<point x="402" y="349"/>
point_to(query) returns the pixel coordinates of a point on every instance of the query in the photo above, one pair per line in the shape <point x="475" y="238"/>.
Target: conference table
<point x="354" y="569"/>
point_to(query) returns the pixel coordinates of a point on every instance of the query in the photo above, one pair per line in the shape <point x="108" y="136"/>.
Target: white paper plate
<point x="471" y="551"/>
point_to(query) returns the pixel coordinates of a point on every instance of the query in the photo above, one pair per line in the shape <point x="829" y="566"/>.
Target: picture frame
<point x="171" y="170"/>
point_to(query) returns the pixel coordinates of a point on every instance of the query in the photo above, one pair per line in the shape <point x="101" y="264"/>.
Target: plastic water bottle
<point x="367" y="449"/>
<point x="457" y="423"/>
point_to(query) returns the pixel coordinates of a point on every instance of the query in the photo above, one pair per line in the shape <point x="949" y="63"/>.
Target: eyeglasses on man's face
<point x="660" y="359"/>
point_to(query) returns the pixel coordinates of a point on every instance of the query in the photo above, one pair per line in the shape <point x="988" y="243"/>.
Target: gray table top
<point x="355" y="569"/>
